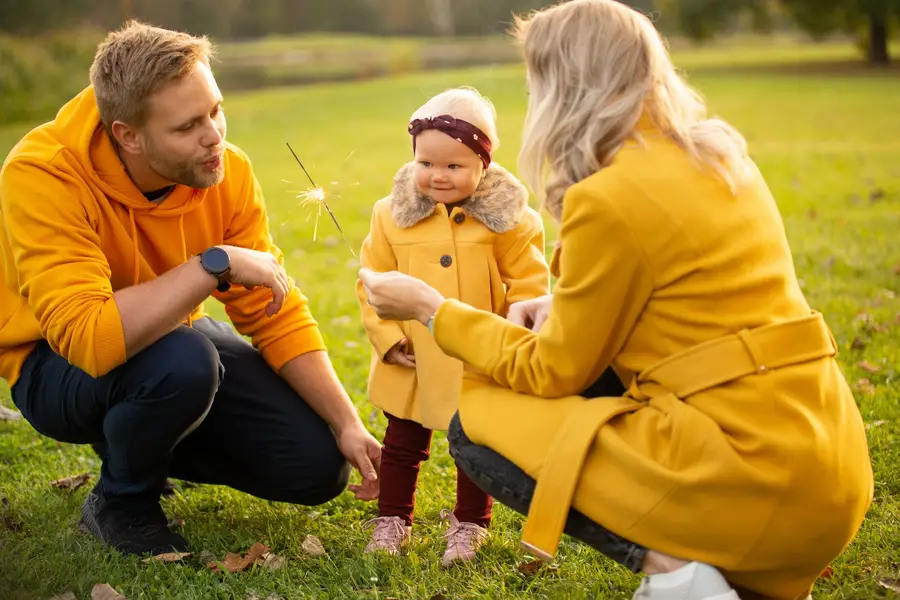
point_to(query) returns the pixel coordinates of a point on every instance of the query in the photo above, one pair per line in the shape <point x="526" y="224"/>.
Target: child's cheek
<point x="421" y="179"/>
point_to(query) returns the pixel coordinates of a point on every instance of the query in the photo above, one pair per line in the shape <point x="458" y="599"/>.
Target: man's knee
<point x="315" y="482"/>
<point x="329" y="480"/>
<point x="184" y="365"/>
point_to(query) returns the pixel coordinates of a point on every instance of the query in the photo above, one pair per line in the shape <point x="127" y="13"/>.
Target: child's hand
<point x="399" y="356"/>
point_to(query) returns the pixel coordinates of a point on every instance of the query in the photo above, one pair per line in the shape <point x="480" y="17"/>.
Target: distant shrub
<point x="38" y="75"/>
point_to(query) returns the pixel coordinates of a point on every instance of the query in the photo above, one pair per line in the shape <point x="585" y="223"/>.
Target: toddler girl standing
<point x="461" y="223"/>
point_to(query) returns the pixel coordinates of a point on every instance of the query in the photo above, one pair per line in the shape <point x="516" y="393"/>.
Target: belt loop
<point x="753" y="349"/>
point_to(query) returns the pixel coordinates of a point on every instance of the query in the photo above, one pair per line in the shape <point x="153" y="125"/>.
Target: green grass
<point x="828" y="145"/>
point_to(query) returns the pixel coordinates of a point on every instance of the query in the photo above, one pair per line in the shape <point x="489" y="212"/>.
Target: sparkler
<point x="316" y="195"/>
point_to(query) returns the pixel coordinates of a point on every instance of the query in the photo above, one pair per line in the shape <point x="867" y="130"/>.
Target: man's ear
<point x="126" y="136"/>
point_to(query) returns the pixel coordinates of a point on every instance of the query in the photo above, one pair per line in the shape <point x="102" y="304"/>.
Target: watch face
<point x="216" y="260"/>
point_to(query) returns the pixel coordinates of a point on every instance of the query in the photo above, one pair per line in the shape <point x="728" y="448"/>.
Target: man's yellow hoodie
<point x="75" y="229"/>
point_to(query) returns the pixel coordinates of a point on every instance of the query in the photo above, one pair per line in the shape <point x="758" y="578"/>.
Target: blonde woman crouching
<point x="735" y="463"/>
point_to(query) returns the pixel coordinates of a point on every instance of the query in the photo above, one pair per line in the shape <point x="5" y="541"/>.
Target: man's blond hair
<point x="138" y="60"/>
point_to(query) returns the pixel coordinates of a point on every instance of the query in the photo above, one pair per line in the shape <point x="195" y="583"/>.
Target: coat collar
<point x="498" y="202"/>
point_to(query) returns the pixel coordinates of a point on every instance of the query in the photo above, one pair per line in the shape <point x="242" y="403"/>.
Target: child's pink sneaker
<point x="390" y="535"/>
<point x="463" y="539"/>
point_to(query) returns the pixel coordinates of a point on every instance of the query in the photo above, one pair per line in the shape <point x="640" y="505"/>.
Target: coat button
<point x="446" y="261"/>
<point x="459" y="218"/>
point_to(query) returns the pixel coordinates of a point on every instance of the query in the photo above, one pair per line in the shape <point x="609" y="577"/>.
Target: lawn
<point x="828" y="143"/>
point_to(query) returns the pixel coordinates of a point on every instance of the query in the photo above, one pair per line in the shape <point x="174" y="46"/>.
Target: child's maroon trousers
<point x="406" y="445"/>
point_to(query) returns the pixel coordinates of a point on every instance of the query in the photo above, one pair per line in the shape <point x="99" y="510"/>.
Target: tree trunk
<point x="442" y="17"/>
<point x="878" y="37"/>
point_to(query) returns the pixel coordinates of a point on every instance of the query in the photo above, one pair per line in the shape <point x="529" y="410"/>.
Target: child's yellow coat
<point x="740" y="445"/>
<point x="487" y="253"/>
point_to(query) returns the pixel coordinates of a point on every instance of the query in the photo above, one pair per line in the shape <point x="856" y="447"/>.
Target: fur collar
<point x="498" y="202"/>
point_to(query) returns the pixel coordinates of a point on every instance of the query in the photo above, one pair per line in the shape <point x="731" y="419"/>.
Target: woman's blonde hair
<point x="594" y="68"/>
<point x="464" y="103"/>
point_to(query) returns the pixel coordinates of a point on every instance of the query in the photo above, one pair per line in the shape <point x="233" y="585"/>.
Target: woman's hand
<point x="398" y="297"/>
<point x="531" y="313"/>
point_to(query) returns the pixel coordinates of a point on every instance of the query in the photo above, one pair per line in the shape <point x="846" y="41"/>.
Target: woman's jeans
<point x="511" y="486"/>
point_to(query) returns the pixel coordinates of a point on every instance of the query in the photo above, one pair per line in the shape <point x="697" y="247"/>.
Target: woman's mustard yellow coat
<point x="739" y="443"/>
<point x="487" y="252"/>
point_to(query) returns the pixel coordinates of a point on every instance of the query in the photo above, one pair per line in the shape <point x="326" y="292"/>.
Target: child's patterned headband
<point x="464" y="132"/>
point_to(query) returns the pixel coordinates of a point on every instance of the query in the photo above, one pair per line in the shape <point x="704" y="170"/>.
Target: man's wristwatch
<point x="217" y="263"/>
<point x="430" y="324"/>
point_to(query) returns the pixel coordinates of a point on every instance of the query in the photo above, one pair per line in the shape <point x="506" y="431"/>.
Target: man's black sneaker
<point x="131" y="525"/>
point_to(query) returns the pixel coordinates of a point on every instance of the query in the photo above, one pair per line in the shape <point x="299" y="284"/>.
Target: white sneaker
<point x="694" y="581"/>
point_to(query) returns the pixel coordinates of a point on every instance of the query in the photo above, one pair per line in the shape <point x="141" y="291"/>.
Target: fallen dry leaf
<point x="867" y="366"/>
<point x="868" y="324"/>
<point x="897" y="269"/>
<point x="175" y="522"/>
<point x="71" y="483"/>
<point x="207" y="557"/>
<point x="890" y="583"/>
<point x="313" y="546"/>
<point x="166" y="557"/>
<point x="66" y="596"/>
<point x="812" y="214"/>
<point x="864" y="386"/>
<point x="533" y="566"/>
<point x="858" y="343"/>
<point x="7" y="521"/>
<point x="234" y="563"/>
<point x="7" y="414"/>
<point x="103" y="591"/>
<point x="827" y="573"/>
<point x="273" y="562"/>
<point x="10" y="523"/>
<point x="876" y="194"/>
<point x="438" y="597"/>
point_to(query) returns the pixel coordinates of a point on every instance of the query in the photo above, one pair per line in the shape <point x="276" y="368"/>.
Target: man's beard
<point x="187" y="171"/>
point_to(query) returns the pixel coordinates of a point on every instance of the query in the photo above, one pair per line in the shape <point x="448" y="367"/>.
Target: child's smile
<point x="446" y="170"/>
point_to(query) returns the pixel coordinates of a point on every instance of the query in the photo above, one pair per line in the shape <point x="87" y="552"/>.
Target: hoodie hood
<point x="81" y="138"/>
<point x="81" y="134"/>
<point x="76" y="230"/>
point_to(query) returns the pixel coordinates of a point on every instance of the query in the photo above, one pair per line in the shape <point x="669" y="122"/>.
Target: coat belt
<point x="707" y="365"/>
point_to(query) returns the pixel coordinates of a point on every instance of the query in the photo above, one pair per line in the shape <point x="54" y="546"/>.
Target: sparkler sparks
<point x="316" y="196"/>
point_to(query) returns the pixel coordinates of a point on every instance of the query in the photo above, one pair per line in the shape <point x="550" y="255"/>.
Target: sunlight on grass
<point x="828" y="146"/>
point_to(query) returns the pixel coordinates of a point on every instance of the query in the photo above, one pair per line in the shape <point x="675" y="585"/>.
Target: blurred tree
<point x="442" y="17"/>
<point x="37" y="16"/>
<point x="870" y="20"/>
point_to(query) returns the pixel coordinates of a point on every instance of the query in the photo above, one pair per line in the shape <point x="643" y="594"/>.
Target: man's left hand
<point x="364" y="452"/>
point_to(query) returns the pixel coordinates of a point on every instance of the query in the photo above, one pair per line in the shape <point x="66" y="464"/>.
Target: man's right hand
<point x="398" y="355"/>
<point x="251" y="268"/>
<point x="531" y="313"/>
